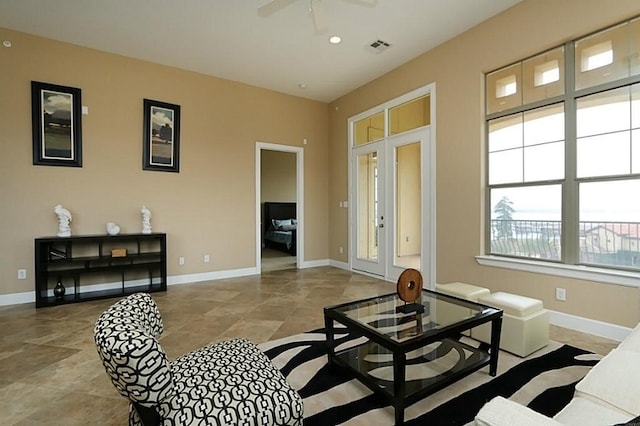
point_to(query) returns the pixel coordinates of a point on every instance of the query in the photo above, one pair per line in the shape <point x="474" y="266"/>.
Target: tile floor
<point x="50" y="373"/>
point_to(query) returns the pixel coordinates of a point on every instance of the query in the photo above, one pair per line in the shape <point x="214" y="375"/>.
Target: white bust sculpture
<point x="146" y="220"/>
<point x="113" y="229"/>
<point x="64" y="217"/>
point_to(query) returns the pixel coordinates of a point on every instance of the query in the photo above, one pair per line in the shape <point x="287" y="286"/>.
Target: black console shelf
<point x="83" y="265"/>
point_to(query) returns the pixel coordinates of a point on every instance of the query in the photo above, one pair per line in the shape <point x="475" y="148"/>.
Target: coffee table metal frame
<point x="399" y="396"/>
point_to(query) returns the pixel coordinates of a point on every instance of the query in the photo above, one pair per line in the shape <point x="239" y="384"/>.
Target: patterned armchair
<point x="227" y="383"/>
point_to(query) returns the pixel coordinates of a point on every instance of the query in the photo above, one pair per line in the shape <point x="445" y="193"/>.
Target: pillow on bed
<point x="287" y="228"/>
<point x="279" y="223"/>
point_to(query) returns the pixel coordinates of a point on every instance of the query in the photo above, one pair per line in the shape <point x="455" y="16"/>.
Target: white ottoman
<point x="446" y="313"/>
<point x="525" y="323"/>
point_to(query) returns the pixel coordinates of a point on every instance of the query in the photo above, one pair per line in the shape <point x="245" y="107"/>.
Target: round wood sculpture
<point x="409" y="285"/>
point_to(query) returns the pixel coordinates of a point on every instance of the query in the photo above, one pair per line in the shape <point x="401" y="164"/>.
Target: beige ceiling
<point x="228" y="39"/>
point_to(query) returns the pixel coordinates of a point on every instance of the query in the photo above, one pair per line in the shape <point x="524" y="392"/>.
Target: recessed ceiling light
<point x="335" y="39"/>
<point x="6" y="43"/>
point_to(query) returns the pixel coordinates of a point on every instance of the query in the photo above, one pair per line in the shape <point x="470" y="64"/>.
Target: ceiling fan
<point x="267" y="7"/>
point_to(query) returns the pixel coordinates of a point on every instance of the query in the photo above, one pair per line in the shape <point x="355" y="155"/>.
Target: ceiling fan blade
<point x="368" y="3"/>
<point x="319" y="16"/>
<point x="267" y="7"/>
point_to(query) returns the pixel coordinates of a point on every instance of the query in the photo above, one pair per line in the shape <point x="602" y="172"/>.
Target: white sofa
<point x="607" y="395"/>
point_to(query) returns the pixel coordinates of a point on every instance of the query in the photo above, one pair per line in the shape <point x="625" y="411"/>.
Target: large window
<point x="563" y="153"/>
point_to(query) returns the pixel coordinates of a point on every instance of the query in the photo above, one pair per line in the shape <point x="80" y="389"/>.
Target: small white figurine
<point x="64" y="217"/>
<point x="146" y="220"/>
<point x="113" y="229"/>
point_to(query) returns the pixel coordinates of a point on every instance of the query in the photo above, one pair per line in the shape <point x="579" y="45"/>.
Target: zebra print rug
<point x="544" y="381"/>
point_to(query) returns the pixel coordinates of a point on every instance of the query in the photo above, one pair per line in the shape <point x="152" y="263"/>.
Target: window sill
<point x="589" y="273"/>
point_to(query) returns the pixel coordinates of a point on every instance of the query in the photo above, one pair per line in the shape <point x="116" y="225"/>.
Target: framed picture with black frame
<point x="56" y="117"/>
<point x="161" y="136"/>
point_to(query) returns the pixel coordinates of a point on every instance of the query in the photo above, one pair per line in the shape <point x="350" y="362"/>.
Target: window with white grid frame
<point x="563" y="153"/>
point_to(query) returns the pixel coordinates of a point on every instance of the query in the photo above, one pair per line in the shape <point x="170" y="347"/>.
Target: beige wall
<point x="457" y="68"/>
<point x="209" y="207"/>
<point x="278" y="176"/>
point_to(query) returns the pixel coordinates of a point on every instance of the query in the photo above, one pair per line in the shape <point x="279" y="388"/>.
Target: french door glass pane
<point x="610" y="223"/>
<point x="408" y="206"/>
<point x="525" y="221"/>
<point x="367" y="193"/>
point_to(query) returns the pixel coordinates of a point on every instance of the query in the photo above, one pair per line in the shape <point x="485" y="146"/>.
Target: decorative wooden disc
<point x="409" y="285"/>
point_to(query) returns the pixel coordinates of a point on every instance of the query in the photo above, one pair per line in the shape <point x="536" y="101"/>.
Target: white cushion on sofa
<point x="632" y="341"/>
<point x="501" y="411"/>
<point x="614" y="382"/>
<point x="584" y="412"/>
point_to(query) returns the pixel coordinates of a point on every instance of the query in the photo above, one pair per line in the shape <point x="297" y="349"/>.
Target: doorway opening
<point x="279" y="207"/>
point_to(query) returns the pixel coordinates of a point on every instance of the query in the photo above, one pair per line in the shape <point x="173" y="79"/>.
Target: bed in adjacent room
<point x="280" y="225"/>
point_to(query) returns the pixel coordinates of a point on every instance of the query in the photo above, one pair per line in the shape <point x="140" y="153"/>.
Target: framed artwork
<point x="56" y="117"/>
<point x="161" y="136"/>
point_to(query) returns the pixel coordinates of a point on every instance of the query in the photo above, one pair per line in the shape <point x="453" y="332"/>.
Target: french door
<point x="368" y="212"/>
<point x="392" y="205"/>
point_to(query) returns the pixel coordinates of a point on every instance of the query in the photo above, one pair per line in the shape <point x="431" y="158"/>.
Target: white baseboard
<point x="314" y="263"/>
<point x="208" y="276"/>
<point x="17" y="298"/>
<point x="339" y="265"/>
<point x="589" y="326"/>
<point x="30" y="296"/>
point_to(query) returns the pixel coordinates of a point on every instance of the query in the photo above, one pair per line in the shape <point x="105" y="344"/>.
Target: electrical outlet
<point x="206" y="258"/>
<point x="22" y="274"/>
<point x="561" y="294"/>
<point x="181" y="260"/>
<point x="341" y="251"/>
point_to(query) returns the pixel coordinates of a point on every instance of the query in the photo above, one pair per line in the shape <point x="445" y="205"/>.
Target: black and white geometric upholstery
<point x="227" y="383"/>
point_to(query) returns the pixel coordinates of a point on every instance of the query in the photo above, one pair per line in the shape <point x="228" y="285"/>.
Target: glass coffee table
<point x="407" y="356"/>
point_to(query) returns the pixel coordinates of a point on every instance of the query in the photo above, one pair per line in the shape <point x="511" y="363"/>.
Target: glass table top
<point x="439" y="311"/>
